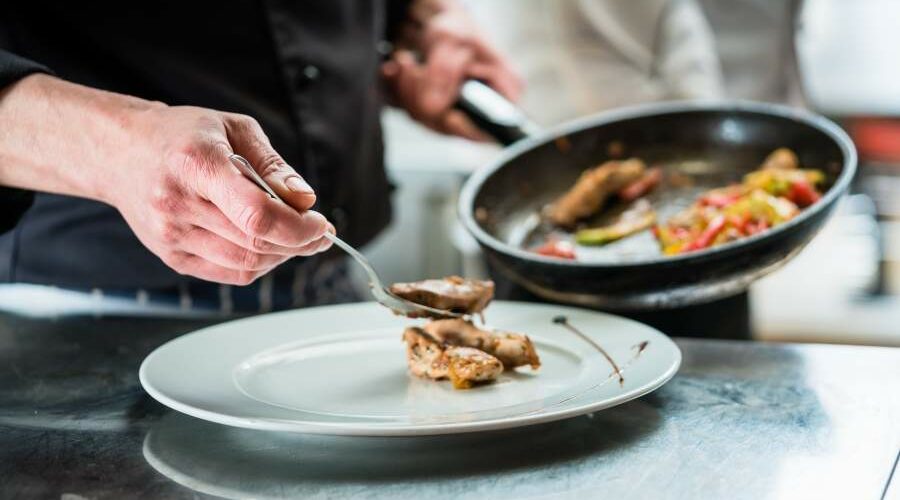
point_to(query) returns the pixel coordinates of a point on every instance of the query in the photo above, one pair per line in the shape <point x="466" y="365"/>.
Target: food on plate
<point x="634" y="220"/>
<point x="593" y="189"/>
<point x="555" y="247"/>
<point x="455" y="348"/>
<point x="453" y="293"/>
<point x="767" y="197"/>
<point x="512" y="349"/>
<point x="468" y="366"/>
<point x="428" y="357"/>
<point x="424" y="354"/>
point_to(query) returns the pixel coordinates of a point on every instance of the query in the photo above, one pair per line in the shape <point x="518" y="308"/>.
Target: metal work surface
<point x="740" y="420"/>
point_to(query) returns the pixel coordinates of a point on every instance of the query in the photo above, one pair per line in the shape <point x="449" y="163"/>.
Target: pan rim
<point x="466" y="202"/>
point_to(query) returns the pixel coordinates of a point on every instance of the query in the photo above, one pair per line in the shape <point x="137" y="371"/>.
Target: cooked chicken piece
<point x="424" y="354"/>
<point x="468" y="366"/>
<point x="453" y="294"/>
<point x="429" y="358"/>
<point x="781" y="159"/>
<point x="512" y="349"/>
<point x="592" y="190"/>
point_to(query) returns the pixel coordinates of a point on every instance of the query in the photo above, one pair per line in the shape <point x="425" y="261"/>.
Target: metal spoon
<point x="382" y="295"/>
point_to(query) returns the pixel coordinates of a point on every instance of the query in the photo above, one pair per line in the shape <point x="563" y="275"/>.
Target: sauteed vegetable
<point x="766" y="198"/>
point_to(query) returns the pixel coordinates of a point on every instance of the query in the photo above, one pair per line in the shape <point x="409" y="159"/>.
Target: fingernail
<point x="298" y="185"/>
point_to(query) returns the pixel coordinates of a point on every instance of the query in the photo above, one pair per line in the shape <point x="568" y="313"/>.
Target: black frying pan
<point x="699" y="145"/>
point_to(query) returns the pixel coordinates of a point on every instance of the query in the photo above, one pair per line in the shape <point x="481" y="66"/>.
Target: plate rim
<point x="404" y="430"/>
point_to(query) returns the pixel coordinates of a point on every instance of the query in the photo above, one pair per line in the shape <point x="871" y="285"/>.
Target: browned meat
<point x="781" y="159"/>
<point x="512" y="349"/>
<point x="453" y="294"/>
<point x="424" y="354"/>
<point x="592" y="190"/>
<point x="429" y="358"/>
<point x="468" y="366"/>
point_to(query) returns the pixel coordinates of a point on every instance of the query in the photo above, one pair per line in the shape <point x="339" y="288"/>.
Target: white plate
<point x="342" y="370"/>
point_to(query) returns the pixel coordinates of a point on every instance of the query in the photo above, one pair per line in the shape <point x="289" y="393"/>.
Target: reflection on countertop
<point x="739" y="420"/>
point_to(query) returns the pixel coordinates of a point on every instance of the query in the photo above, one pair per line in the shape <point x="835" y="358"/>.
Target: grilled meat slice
<point x="452" y="293"/>
<point x="512" y="349"/>
<point x="592" y="190"/>
<point x="468" y="366"/>
<point x="424" y="354"/>
<point x="427" y="357"/>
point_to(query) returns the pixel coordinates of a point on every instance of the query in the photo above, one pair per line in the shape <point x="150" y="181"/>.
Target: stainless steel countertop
<point x="740" y="420"/>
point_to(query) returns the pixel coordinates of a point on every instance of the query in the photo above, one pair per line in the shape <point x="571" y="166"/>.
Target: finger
<point x="407" y="80"/>
<point x="193" y="265"/>
<point x="500" y="77"/>
<point x="209" y="217"/>
<point x="445" y="69"/>
<point x="390" y="69"/>
<point x="254" y="212"/>
<point x="219" y="251"/>
<point x="319" y="246"/>
<point x="456" y="123"/>
<point x="248" y="140"/>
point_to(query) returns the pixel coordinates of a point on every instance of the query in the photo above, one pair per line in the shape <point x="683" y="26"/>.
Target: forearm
<point x="64" y="138"/>
<point x="168" y="172"/>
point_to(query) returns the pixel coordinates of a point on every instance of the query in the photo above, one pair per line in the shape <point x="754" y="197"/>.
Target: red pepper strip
<point x="709" y="234"/>
<point x="556" y="248"/>
<point x="642" y="186"/>
<point x="719" y="200"/>
<point x="740" y="222"/>
<point x="803" y="193"/>
<point x="758" y="227"/>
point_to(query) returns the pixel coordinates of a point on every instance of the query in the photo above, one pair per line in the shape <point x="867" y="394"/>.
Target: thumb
<point x="248" y="140"/>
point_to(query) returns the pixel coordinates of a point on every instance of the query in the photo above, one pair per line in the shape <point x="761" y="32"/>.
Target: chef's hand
<point x="453" y="50"/>
<point x="167" y="170"/>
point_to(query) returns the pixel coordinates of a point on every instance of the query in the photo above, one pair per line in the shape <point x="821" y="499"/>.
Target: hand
<point x="199" y="214"/>
<point x="166" y="169"/>
<point x="453" y="51"/>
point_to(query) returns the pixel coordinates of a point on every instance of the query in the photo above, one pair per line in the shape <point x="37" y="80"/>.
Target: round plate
<point x="342" y="370"/>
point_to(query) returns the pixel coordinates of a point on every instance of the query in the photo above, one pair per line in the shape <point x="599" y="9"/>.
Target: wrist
<point x="65" y="138"/>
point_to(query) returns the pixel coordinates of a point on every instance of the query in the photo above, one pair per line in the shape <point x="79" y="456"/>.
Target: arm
<point x="166" y="170"/>
<point x="14" y="202"/>
<point x="687" y="59"/>
<point x="451" y="50"/>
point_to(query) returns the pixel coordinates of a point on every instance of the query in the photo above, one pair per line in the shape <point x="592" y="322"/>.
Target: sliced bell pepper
<point x="622" y="228"/>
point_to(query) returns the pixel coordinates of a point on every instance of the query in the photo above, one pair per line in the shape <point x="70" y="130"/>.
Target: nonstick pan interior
<point x="699" y="147"/>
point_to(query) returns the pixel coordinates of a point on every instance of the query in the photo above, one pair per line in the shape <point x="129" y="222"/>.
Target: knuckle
<point x="169" y="232"/>
<point x="167" y="200"/>
<point x="256" y="221"/>
<point x="191" y="157"/>
<point x="271" y="163"/>
<point x="245" y="121"/>
<point x="260" y="245"/>
<point x="250" y="260"/>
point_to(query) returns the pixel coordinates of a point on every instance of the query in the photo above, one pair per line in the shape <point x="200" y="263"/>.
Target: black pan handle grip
<point x="494" y="114"/>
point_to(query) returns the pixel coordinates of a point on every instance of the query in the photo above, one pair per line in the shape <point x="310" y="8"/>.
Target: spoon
<point x="381" y="294"/>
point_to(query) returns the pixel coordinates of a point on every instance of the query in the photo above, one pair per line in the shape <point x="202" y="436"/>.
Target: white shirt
<point x="579" y="57"/>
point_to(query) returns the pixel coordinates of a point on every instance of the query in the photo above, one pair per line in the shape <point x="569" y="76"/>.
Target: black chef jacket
<point x="306" y="70"/>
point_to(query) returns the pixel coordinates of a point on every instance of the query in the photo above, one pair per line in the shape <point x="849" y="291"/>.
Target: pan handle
<point x="494" y="114"/>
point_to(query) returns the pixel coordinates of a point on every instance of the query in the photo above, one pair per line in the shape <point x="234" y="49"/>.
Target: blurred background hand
<point x="441" y="47"/>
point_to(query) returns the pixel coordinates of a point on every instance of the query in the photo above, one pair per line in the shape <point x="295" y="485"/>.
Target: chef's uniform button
<point x="310" y="72"/>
